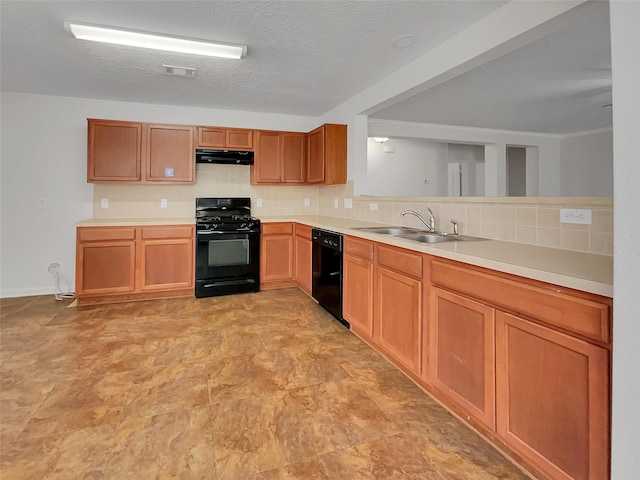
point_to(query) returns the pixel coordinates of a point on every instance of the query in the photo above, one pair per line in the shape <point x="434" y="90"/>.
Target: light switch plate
<point x="336" y="203"/>
<point x="104" y="203"/>
<point x="259" y="202"/>
<point x="163" y="203"/>
<point x="575" y="215"/>
<point x="307" y="202"/>
<point x="348" y="203"/>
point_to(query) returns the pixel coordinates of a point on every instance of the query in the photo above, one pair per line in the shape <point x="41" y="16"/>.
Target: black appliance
<point x="326" y="285"/>
<point x="233" y="157"/>
<point x="227" y="247"/>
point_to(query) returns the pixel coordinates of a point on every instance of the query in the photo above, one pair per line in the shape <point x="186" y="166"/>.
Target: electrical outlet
<point x="373" y="206"/>
<point x="348" y="203"/>
<point x="336" y="203"/>
<point x="259" y="203"/>
<point x="42" y="203"/>
<point x="307" y="202"/>
<point x="575" y="215"/>
<point x="163" y="203"/>
<point x="104" y="203"/>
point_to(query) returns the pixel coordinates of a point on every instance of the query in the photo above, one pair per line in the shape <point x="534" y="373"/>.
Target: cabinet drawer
<point x="277" y="228"/>
<point x="169" y="231"/>
<point x="303" y="231"/>
<point x="96" y="234"/>
<point x="574" y="314"/>
<point x="400" y="260"/>
<point x="358" y="248"/>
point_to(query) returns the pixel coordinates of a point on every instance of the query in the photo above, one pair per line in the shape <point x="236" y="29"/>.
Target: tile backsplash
<point x="524" y="220"/>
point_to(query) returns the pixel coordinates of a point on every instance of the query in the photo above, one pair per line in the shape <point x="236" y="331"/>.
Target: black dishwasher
<point x="326" y="285"/>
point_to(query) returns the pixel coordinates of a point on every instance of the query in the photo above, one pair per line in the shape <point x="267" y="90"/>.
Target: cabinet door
<point x="267" y="167"/>
<point x="166" y="264"/>
<point x="461" y="353"/>
<point x="335" y="154"/>
<point x="303" y="263"/>
<point x="315" y="156"/>
<point x="276" y="253"/>
<point x="105" y="267"/>
<point x="238" y="138"/>
<point x="398" y="316"/>
<point x="357" y="302"/>
<point x="114" y="151"/>
<point x="294" y="147"/>
<point x="553" y="400"/>
<point x="211" y="137"/>
<point x="170" y="153"/>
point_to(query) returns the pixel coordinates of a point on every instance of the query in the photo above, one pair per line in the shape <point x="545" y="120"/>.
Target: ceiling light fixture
<point x="381" y="139"/>
<point x="403" y="41"/>
<point x="156" y="42"/>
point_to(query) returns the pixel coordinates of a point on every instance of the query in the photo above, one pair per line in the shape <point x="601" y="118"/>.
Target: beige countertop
<point x="134" y="222"/>
<point x="578" y="270"/>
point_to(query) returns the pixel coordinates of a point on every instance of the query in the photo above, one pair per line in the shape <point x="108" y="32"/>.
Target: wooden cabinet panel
<point x="294" y="146"/>
<point x="105" y="268"/>
<point x="169" y="153"/>
<point x="114" y="151"/>
<point x="398" y="316"/>
<point x="357" y="302"/>
<point x="276" y="254"/>
<point x="129" y="263"/>
<point x="220" y="137"/>
<point x="303" y="263"/>
<point x="327" y="155"/>
<point x="582" y="316"/>
<point x="401" y="260"/>
<point x="553" y="399"/>
<point x="267" y="157"/>
<point x="461" y="353"/>
<point x="166" y="264"/>
<point x="358" y="248"/>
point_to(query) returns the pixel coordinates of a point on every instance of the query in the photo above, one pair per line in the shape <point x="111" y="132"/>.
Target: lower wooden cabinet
<point x="553" y="399"/>
<point x="276" y="255"/>
<point x="129" y="263"/>
<point x="461" y="353"/>
<point x="303" y="257"/>
<point x="398" y="305"/>
<point x="357" y="285"/>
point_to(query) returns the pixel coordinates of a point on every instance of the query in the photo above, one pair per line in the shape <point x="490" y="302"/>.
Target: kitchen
<point x="62" y="134"/>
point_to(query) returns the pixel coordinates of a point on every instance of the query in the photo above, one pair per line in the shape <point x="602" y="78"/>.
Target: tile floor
<point x="256" y="386"/>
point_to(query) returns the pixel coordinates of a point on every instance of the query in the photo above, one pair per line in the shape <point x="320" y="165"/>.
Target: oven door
<point x="227" y="262"/>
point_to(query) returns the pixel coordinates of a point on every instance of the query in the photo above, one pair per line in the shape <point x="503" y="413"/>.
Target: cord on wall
<point x="55" y="270"/>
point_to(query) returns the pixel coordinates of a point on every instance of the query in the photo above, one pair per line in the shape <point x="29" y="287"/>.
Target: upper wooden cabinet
<point x="327" y="154"/>
<point x="220" y="137"/>
<point x="136" y="152"/>
<point x="114" y="151"/>
<point x="279" y="157"/>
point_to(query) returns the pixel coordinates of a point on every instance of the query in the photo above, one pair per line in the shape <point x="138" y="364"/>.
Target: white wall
<point x="625" y="52"/>
<point x="44" y="144"/>
<point x="586" y="164"/>
<point x="404" y="171"/>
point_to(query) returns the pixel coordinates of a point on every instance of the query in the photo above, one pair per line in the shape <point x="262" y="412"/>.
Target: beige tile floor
<point x="256" y="386"/>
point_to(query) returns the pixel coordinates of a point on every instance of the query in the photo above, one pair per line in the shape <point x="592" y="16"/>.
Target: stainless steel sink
<point x="416" y="235"/>
<point x="395" y="231"/>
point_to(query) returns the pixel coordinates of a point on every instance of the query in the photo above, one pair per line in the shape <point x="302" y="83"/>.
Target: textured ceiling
<point x="304" y="57"/>
<point x="557" y="85"/>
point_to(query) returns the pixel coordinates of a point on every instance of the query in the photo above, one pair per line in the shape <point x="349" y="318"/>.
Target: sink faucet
<point x="431" y="224"/>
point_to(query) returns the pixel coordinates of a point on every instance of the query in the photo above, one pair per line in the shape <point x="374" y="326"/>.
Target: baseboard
<point x="26" y="292"/>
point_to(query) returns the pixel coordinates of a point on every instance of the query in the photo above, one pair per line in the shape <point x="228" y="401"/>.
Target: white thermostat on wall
<point x="168" y="172"/>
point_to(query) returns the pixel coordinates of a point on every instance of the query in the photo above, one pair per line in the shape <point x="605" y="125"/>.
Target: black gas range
<point x="227" y="247"/>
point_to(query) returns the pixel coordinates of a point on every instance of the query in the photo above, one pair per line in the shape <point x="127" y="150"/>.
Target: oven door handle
<point x="209" y="233"/>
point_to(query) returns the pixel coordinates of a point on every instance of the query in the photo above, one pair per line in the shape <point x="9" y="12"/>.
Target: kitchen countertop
<point x="567" y="268"/>
<point x="133" y="222"/>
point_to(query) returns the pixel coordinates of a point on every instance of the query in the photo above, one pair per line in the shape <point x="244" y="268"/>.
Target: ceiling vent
<point x="179" y="71"/>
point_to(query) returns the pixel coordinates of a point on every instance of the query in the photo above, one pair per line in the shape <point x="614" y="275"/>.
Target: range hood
<point x="229" y="157"/>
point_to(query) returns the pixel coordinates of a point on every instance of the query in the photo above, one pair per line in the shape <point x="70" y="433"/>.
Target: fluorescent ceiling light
<point x="155" y="42"/>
